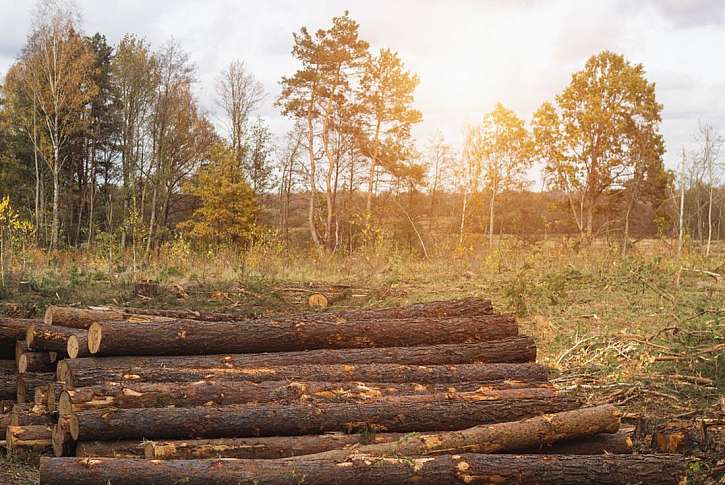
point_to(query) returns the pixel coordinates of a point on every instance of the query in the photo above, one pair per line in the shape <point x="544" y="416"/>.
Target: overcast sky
<point x="468" y="54"/>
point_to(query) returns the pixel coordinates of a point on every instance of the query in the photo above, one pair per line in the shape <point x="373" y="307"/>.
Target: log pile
<point x="441" y="392"/>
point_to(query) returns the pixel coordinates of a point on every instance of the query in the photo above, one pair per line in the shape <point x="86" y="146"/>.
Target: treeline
<point x="101" y="141"/>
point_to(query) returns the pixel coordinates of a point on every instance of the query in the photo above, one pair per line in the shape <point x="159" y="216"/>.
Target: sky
<point x="469" y="54"/>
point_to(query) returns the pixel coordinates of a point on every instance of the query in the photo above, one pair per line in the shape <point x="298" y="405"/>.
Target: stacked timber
<point x="441" y="392"/>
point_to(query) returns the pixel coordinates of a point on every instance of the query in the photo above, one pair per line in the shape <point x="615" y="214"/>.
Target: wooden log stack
<point x="440" y="392"/>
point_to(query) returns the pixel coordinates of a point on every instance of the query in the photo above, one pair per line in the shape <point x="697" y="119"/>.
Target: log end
<point x="64" y="404"/>
<point x="62" y="442"/>
<point x="23" y="364"/>
<point x="48" y="316"/>
<point x="30" y="335"/>
<point x="73" y="347"/>
<point x="74" y="427"/>
<point x="62" y="372"/>
<point x="94" y="337"/>
<point x="318" y="300"/>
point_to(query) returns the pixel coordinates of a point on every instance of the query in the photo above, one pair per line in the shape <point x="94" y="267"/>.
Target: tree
<point x="227" y="207"/>
<point x="321" y="93"/>
<point x="386" y="97"/>
<point x="500" y="150"/>
<point x="589" y="140"/>
<point x="441" y="162"/>
<point x="258" y="159"/>
<point x="710" y="145"/>
<point x="55" y="71"/>
<point x="239" y="93"/>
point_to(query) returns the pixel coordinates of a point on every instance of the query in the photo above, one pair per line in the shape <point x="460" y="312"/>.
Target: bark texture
<point x="402" y="414"/>
<point x="36" y="362"/>
<point x="8" y="380"/>
<point x="308" y="332"/>
<point x="35" y="438"/>
<point x="12" y="330"/>
<point x="26" y="384"/>
<point x="112" y="449"/>
<point x="222" y="393"/>
<point x="49" y="338"/>
<point x="440" y="374"/>
<point x="363" y="470"/>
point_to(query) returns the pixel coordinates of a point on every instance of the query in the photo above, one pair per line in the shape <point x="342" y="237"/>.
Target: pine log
<point x="113" y="449"/>
<point x="8" y="380"/>
<point x="63" y="443"/>
<point x="36" y="362"/>
<point x="21" y="347"/>
<point x="50" y="338"/>
<point x="40" y="396"/>
<point x="269" y="447"/>
<point x="399" y="414"/>
<point x="53" y="393"/>
<point x="189" y="337"/>
<point x="12" y="330"/>
<point x="77" y="317"/>
<point x="431" y="374"/>
<point x="29" y="414"/>
<point x="77" y="346"/>
<point x="619" y="443"/>
<point x="35" y="438"/>
<point x="364" y="470"/>
<point x="510" y="350"/>
<point x="221" y="393"/>
<point x="26" y="384"/>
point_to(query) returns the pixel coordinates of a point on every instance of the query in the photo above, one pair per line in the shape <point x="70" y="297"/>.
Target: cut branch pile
<point x="437" y="392"/>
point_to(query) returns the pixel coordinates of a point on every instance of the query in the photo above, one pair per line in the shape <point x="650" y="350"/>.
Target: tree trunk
<point x="55" y="227"/>
<point x="111" y="449"/>
<point x="616" y="443"/>
<point x="26" y="384"/>
<point x="12" y="330"/>
<point x="52" y="395"/>
<point x="186" y="337"/>
<point x="50" y="338"/>
<point x="363" y="470"/>
<point x="490" y="218"/>
<point x="36" y="362"/>
<point x="29" y="414"/>
<point x="63" y="444"/>
<point x="510" y="350"/>
<point x="398" y="414"/>
<point x="8" y="380"/>
<point x="35" y="438"/>
<point x="430" y="374"/>
<point x="79" y="318"/>
<point x="222" y="393"/>
<point x="77" y="346"/>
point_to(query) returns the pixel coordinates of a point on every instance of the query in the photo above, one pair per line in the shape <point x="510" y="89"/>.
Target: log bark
<point x="63" y="443"/>
<point x="112" y="449"/>
<point x="77" y="346"/>
<point x="35" y="438"/>
<point x="53" y="393"/>
<point x="29" y="414"/>
<point x="431" y="374"/>
<point x="26" y="384"/>
<point x="36" y="362"/>
<point x="8" y="380"/>
<point x="400" y="414"/>
<point x="222" y="393"/>
<point x="12" y="330"/>
<point x="80" y="318"/>
<point x="20" y="348"/>
<point x="289" y="446"/>
<point x="363" y="470"/>
<point x="4" y="422"/>
<point x="189" y="337"/>
<point x="50" y="338"/>
<point x="509" y="350"/>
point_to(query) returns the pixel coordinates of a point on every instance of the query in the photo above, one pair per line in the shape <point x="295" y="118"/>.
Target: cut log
<point x="363" y="470"/>
<point x="532" y="435"/>
<point x="12" y="330"/>
<point x="269" y="447"/>
<point x="20" y="348"/>
<point x="29" y="414"/>
<point x="221" y="393"/>
<point x="313" y="331"/>
<point x="50" y="338"/>
<point x="78" y="317"/>
<point x="36" y="362"/>
<point x="35" y="438"/>
<point x="63" y="444"/>
<point x="53" y="393"/>
<point x="26" y="384"/>
<point x="399" y="414"/>
<point x="620" y="443"/>
<point x="510" y="350"/>
<point x="40" y="396"/>
<point x="430" y="374"/>
<point x="77" y="346"/>
<point x="113" y="449"/>
<point x="8" y="380"/>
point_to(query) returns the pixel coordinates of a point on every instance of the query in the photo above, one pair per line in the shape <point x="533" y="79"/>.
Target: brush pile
<point x="441" y="392"/>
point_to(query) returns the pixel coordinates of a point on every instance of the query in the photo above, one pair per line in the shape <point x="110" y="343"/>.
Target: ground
<point x="645" y="331"/>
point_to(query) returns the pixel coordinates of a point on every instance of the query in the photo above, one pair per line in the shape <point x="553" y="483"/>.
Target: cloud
<point x="691" y="13"/>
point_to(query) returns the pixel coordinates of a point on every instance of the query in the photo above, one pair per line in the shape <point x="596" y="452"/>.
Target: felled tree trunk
<point x="63" y="444"/>
<point x="311" y="331"/>
<point x="327" y="373"/>
<point x="115" y="449"/>
<point x="52" y="395"/>
<point x="26" y="384"/>
<point x="78" y="317"/>
<point x="364" y="470"/>
<point x="36" y="362"/>
<point x="77" y="346"/>
<point x="29" y="414"/>
<point x="509" y="350"/>
<point x="8" y="380"/>
<point x="35" y="438"/>
<point x="50" y="338"/>
<point x="12" y="330"/>
<point x="221" y="393"/>
<point x="400" y="414"/>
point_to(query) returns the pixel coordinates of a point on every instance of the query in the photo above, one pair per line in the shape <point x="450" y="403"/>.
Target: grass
<point x="645" y="331"/>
